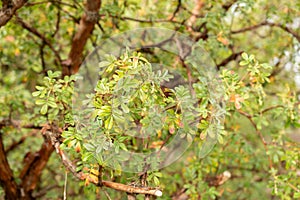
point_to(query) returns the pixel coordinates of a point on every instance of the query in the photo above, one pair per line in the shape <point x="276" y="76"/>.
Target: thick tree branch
<point x="86" y="26"/>
<point x="34" y="163"/>
<point x="9" y="8"/>
<point x="6" y="178"/>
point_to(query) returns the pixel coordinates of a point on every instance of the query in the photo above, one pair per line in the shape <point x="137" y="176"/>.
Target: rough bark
<point x="33" y="167"/>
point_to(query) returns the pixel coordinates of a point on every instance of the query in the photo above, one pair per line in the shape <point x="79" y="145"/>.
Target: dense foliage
<point x="240" y="123"/>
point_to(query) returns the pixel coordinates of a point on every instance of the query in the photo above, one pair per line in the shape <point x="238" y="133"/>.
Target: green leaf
<point x="89" y="147"/>
<point x="297" y="195"/>
<point x="40" y="87"/>
<point x="251" y="57"/>
<point x="123" y="146"/>
<point x="104" y="64"/>
<point x="40" y="102"/>
<point x="244" y="62"/>
<point x="44" y="109"/>
<point x="108" y="124"/>
<point x="220" y="139"/>
<point x="125" y="108"/>
<point x="156" y="180"/>
<point x="52" y="104"/>
<point x="36" y="93"/>
<point x="245" y="56"/>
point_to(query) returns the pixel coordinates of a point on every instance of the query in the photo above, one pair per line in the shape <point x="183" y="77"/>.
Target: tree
<point x="249" y="55"/>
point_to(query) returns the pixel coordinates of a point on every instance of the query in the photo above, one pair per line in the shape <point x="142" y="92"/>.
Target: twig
<point x="107" y="195"/>
<point x="271" y="108"/>
<point x="18" y="124"/>
<point x="145" y="20"/>
<point x="17" y="143"/>
<point x="65" y="185"/>
<point x="39" y="35"/>
<point x="271" y="24"/>
<point x="44" y="191"/>
<point x="228" y="59"/>
<point x="51" y="1"/>
<point x="57" y="24"/>
<point x="258" y="133"/>
<point x="176" y="10"/>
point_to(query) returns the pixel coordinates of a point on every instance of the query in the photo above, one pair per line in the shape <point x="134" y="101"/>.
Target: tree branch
<point x="6" y="179"/>
<point x="271" y="24"/>
<point x="196" y="11"/>
<point x="39" y="35"/>
<point x="15" y="144"/>
<point x="81" y="176"/>
<point x="176" y="10"/>
<point x="228" y="59"/>
<point x="86" y="26"/>
<point x="34" y="163"/>
<point x="8" y="10"/>
<point x="247" y="115"/>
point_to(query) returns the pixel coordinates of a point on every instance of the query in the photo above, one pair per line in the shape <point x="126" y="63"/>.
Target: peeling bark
<point x="86" y="26"/>
<point x="33" y="167"/>
<point x="6" y="179"/>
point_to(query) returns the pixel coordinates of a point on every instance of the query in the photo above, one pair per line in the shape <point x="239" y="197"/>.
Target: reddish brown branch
<point x="34" y="163"/>
<point x="6" y="179"/>
<point x="86" y="26"/>
<point x="196" y="11"/>
<point x="8" y="10"/>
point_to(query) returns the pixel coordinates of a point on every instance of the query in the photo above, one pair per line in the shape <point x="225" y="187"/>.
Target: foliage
<point x="255" y="47"/>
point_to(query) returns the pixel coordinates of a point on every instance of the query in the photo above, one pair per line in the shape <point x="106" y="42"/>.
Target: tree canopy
<point x="137" y="99"/>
